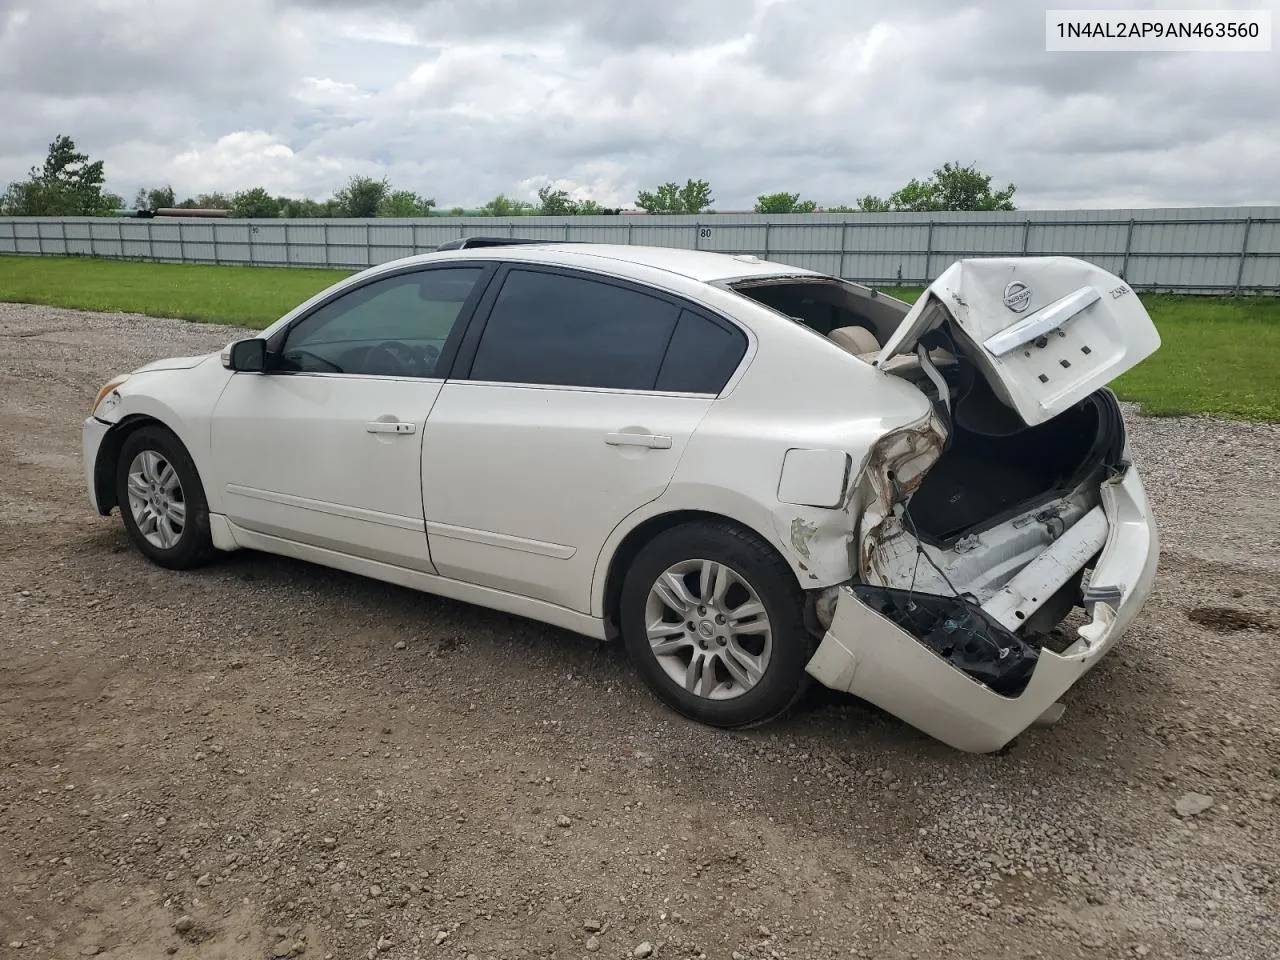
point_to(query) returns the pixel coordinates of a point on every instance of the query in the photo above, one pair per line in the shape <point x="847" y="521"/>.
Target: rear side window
<point x="553" y="329"/>
<point x="702" y="356"/>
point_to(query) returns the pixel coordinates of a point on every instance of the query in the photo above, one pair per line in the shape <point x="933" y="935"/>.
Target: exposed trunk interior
<point x="994" y="466"/>
<point x="989" y="473"/>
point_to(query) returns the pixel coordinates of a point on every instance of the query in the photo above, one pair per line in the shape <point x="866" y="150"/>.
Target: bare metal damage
<point x="802" y="532"/>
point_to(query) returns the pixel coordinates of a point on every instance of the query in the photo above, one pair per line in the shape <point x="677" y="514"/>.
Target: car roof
<point x="699" y="265"/>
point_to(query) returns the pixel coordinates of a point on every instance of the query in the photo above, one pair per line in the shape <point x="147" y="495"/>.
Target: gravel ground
<point x="269" y="759"/>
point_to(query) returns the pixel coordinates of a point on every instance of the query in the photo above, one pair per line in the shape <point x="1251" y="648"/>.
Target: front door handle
<point x="391" y="426"/>
<point x="651" y="440"/>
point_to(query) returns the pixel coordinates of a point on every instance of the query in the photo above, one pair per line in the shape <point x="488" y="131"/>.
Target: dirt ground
<point x="269" y="759"/>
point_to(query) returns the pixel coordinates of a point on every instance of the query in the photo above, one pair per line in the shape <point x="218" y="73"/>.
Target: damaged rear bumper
<point x="868" y="655"/>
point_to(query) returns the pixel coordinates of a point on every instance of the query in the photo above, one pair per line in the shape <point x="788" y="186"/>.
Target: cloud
<point x="463" y="99"/>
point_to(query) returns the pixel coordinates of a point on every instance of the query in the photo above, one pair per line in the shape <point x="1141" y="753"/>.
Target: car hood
<point x="174" y="363"/>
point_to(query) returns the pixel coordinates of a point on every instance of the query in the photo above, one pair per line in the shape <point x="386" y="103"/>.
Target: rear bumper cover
<point x="869" y="656"/>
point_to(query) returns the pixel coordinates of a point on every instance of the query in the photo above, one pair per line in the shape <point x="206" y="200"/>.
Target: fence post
<point x="151" y="244"/>
<point x="1026" y="236"/>
<point x="511" y="228"/>
<point x="630" y="224"/>
<point x="767" y="227"/>
<point x="928" y="256"/>
<point x="1128" y="245"/>
<point x="325" y="238"/>
<point x="92" y="250"/>
<point x="66" y="250"/>
<point x="182" y="247"/>
<point x="39" y="239"/>
<point x="213" y="225"/>
<point x="368" y="249"/>
<point x="844" y="248"/>
<point x="252" y="228"/>
<point x="566" y="230"/>
<point x="288" y="250"/>
<point x="697" y="236"/>
<point x="1244" y="254"/>
<point x="120" y="236"/>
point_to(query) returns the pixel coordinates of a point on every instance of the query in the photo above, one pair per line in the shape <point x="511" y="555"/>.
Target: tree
<point x="154" y="199"/>
<point x="207" y="201"/>
<point x="405" y="203"/>
<point x="67" y="185"/>
<point x="952" y="187"/>
<point x="693" y="197"/>
<point x="295" y="209"/>
<point x="784" y="203"/>
<point x="504" y="206"/>
<point x="254" y="203"/>
<point x="558" y="203"/>
<point x="360" y="197"/>
<point x="555" y="203"/>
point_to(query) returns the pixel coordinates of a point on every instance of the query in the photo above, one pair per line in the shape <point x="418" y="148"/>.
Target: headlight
<point x="107" y="390"/>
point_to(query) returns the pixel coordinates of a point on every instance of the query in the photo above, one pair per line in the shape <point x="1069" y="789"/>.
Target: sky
<point x="463" y="99"/>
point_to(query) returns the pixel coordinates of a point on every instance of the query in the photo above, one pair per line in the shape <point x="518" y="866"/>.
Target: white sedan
<point x="752" y="474"/>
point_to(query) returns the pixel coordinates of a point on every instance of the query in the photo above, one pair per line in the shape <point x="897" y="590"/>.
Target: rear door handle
<point x="652" y="440"/>
<point x="390" y="426"/>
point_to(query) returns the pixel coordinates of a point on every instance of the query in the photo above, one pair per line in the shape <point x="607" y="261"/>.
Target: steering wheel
<point x="430" y="357"/>
<point x="402" y="357"/>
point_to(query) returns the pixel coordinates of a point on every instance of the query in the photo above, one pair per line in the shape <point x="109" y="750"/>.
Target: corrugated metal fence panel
<point x="1211" y="249"/>
<point x="1256" y="271"/>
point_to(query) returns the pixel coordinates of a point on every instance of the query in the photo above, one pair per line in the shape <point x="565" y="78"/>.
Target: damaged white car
<point x="752" y="474"/>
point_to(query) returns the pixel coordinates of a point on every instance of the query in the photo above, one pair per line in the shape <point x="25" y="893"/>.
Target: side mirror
<point x="246" y="356"/>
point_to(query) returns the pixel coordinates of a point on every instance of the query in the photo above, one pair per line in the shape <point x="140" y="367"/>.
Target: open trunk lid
<point x="1045" y="332"/>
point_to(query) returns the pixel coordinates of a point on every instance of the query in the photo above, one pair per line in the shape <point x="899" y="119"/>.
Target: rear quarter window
<point x="702" y="356"/>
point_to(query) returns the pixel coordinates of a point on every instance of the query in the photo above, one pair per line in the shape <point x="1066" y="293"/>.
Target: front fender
<point x="182" y="400"/>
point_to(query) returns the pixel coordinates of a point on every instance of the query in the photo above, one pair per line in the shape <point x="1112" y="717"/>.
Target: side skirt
<point x="228" y="536"/>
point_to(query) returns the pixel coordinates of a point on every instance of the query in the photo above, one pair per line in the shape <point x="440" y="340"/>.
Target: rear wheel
<point x="712" y="618"/>
<point x="162" y="501"/>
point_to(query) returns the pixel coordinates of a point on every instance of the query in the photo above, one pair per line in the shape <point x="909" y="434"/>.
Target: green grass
<point x="243" y="296"/>
<point x="1219" y="356"/>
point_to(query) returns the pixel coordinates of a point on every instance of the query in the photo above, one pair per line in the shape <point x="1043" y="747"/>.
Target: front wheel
<point x="711" y="616"/>
<point x="162" y="500"/>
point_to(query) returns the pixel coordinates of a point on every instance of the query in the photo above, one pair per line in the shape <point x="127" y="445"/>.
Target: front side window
<point x="396" y="326"/>
<point x="553" y="329"/>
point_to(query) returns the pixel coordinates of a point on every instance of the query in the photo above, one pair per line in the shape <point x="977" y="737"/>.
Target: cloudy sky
<point x="463" y="99"/>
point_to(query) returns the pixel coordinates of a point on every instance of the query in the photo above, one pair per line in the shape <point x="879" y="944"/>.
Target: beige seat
<point x="862" y="343"/>
<point x="855" y="340"/>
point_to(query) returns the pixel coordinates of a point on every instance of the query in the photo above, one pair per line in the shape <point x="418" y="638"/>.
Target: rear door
<point x="575" y="398"/>
<point x="1045" y="332"/>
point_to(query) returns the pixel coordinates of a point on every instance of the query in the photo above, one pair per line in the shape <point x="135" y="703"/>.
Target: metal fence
<point x="1191" y="250"/>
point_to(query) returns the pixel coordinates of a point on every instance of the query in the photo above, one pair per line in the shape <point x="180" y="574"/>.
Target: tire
<point x="757" y="577"/>
<point x="149" y="512"/>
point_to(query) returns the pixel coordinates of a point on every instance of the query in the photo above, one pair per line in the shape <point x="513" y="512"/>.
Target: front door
<point x="325" y="447"/>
